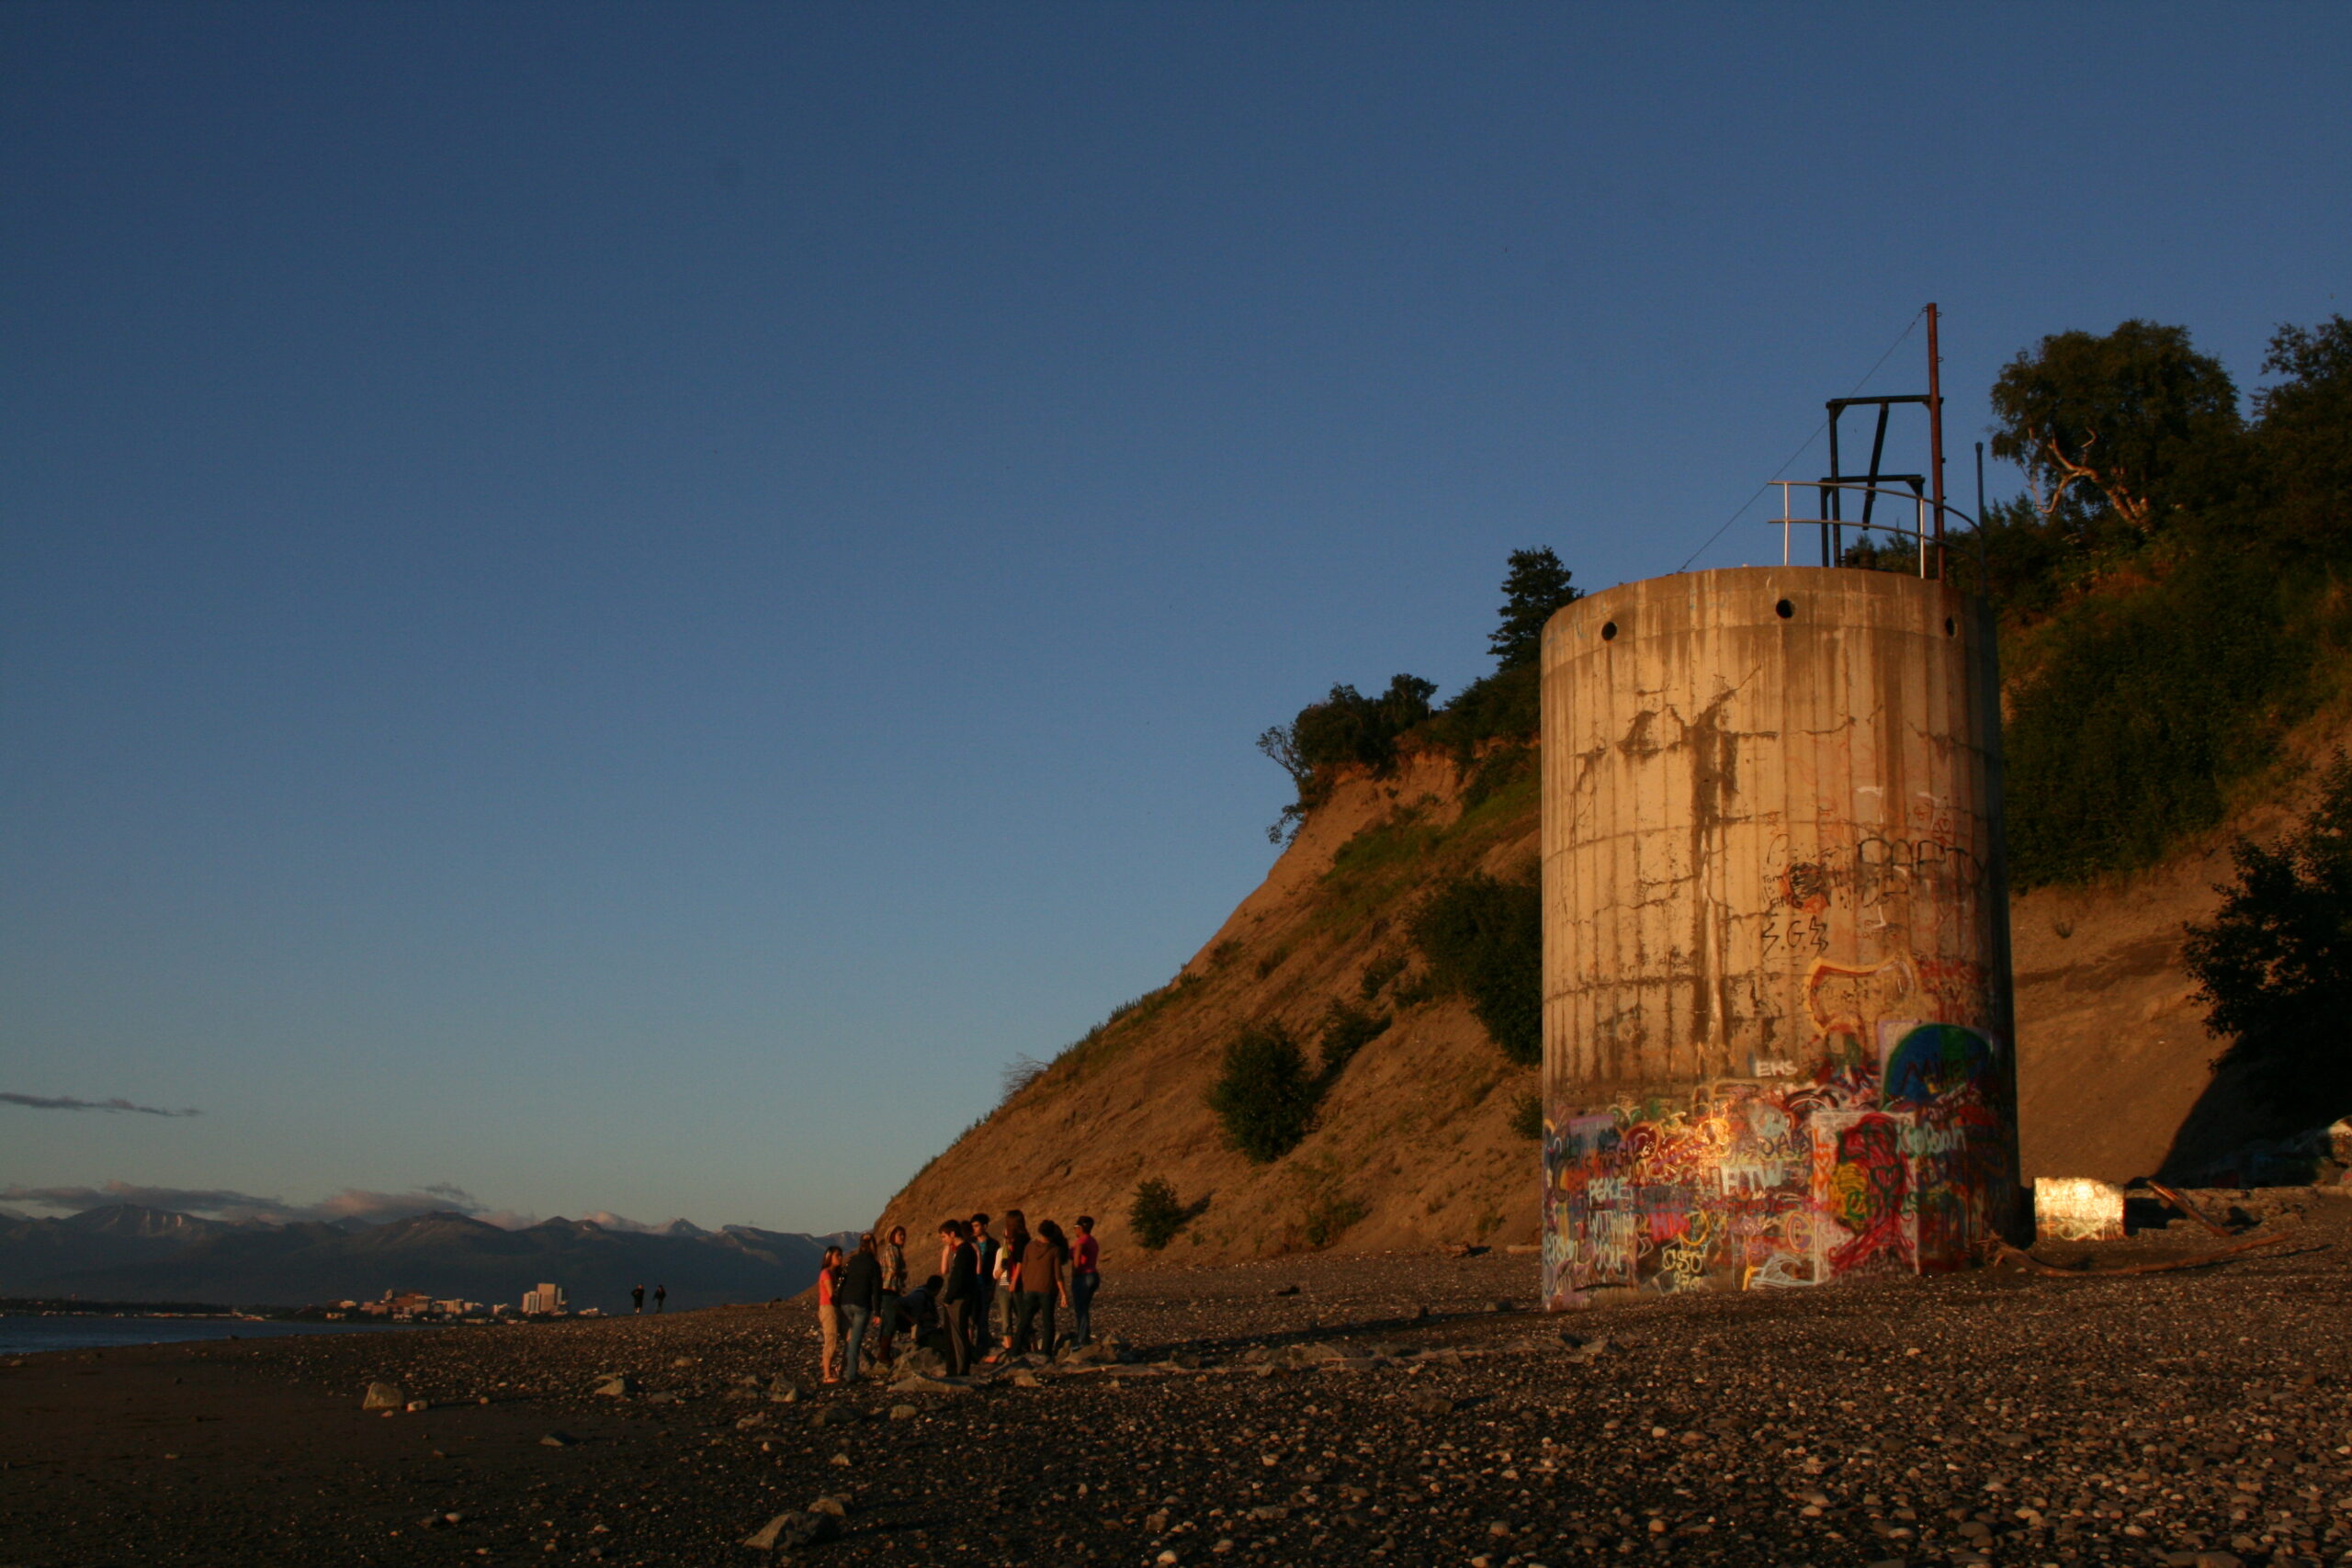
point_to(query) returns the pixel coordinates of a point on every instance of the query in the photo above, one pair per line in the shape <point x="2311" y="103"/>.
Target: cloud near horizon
<point x="67" y="1102"/>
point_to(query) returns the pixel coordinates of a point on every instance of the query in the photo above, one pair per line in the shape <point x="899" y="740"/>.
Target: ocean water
<point x="24" y="1336"/>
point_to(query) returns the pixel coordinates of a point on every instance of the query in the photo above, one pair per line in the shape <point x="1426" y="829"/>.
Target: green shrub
<point x="1346" y="1030"/>
<point x="2275" y="963"/>
<point x="1265" y="1097"/>
<point x="2139" y="712"/>
<point x="1157" y="1216"/>
<point x="1504" y="706"/>
<point x="1018" y="1075"/>
<point x="1327" y="1210"/>
<point x="1483" y="939"/>
<point x="1527" y="1115"/>
<point x="1378" y="973"/>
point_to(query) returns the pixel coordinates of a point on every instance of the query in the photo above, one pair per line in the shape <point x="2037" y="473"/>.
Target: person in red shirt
<point x="1085" y="1279"/>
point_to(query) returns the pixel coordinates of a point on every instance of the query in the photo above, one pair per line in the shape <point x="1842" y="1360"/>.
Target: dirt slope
<point x="1414" y="1145"/>
<point x="1415" y="1148"/>
<point x="2113" y="1059"/>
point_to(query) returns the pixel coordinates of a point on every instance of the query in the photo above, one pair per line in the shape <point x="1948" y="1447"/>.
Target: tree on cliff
<point x="2128" y="426"/>
<point x="2303" y="441"/>
<point x="2275" y="963"/>
<point x="2180" y="572"/>
<point x="1536" y="586"/>
<point x="1348" y="728"/>
<point x="1345" y="727"/>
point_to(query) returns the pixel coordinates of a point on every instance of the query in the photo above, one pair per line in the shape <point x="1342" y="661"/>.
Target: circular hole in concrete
<point x="1609" y="631"/>
<point x="1951" y="629"/>
<point x="1784" y="609"/>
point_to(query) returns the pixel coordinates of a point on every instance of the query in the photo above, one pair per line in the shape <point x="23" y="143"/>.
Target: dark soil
<point x="1392" y="1410"/>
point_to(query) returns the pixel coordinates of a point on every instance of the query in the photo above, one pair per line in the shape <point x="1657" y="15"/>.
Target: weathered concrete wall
<point x="1776" y="981"/>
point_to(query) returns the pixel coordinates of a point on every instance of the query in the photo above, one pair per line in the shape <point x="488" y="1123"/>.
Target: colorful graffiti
<point x="2077" y="1208"/>
<point x="1900" y="1162"/>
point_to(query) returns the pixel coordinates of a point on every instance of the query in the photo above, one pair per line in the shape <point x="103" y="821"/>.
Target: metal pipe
<point x="1936" y="434"/>
<point x="1878" y="446"/>
<point x="1983" y="572"/>
<point x="1835" y="497"/>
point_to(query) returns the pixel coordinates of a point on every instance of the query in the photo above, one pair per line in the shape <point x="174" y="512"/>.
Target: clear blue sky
<point x="615" y="606"/>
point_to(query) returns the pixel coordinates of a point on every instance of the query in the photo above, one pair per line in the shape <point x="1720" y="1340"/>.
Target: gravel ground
<point x="1393" y="1409"/>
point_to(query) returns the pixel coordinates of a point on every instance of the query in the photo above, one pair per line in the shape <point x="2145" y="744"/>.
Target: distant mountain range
<point x="128" y="1253"/>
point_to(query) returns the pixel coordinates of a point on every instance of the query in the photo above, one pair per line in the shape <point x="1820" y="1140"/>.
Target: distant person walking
<point x="986" y="1254"/>
<point x="1085" y="1279"/>
<point x="636" y="1299"/>
<point x="894" y="1283"/>
<point x="958" y="1287"/>
<point x="1045" y="1283"/>
<point x="660" y="1294"/>
<point x="859" y="1295"/>
<point x="829" y="1315"/>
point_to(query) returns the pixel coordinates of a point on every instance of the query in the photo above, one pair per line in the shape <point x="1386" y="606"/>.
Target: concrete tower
<point x="1777" y="1035"/>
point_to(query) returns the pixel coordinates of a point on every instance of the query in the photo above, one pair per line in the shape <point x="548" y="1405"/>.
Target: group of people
<point x="1023" y="1280"/>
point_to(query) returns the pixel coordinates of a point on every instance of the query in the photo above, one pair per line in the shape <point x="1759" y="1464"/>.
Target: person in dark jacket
<point x="958" y="1289"/>
<point x="859" y="1295"/>
<point x="985" y="1253"/>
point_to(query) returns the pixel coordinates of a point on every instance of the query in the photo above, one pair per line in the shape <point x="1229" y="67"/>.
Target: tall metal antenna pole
<point x="1983" y="576"/>
<point x="1936" y="436"/>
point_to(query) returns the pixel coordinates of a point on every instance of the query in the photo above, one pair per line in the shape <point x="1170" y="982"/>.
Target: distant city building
<point x="545" y="1302"/>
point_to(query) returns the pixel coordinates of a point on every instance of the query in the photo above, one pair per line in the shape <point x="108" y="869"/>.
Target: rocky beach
<point x="1390" y="1408"/>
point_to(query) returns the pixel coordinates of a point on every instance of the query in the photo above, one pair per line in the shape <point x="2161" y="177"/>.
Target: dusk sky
<point x="612" y="608"/>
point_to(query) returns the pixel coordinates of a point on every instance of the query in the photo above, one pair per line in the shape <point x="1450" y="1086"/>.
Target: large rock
<point x="792" y="1529"/>
<point x="930" y="1386"/>
<point x="920" y="1364"/>
<point x="617" y="1388"/>
<point x="384" y="1396"/>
